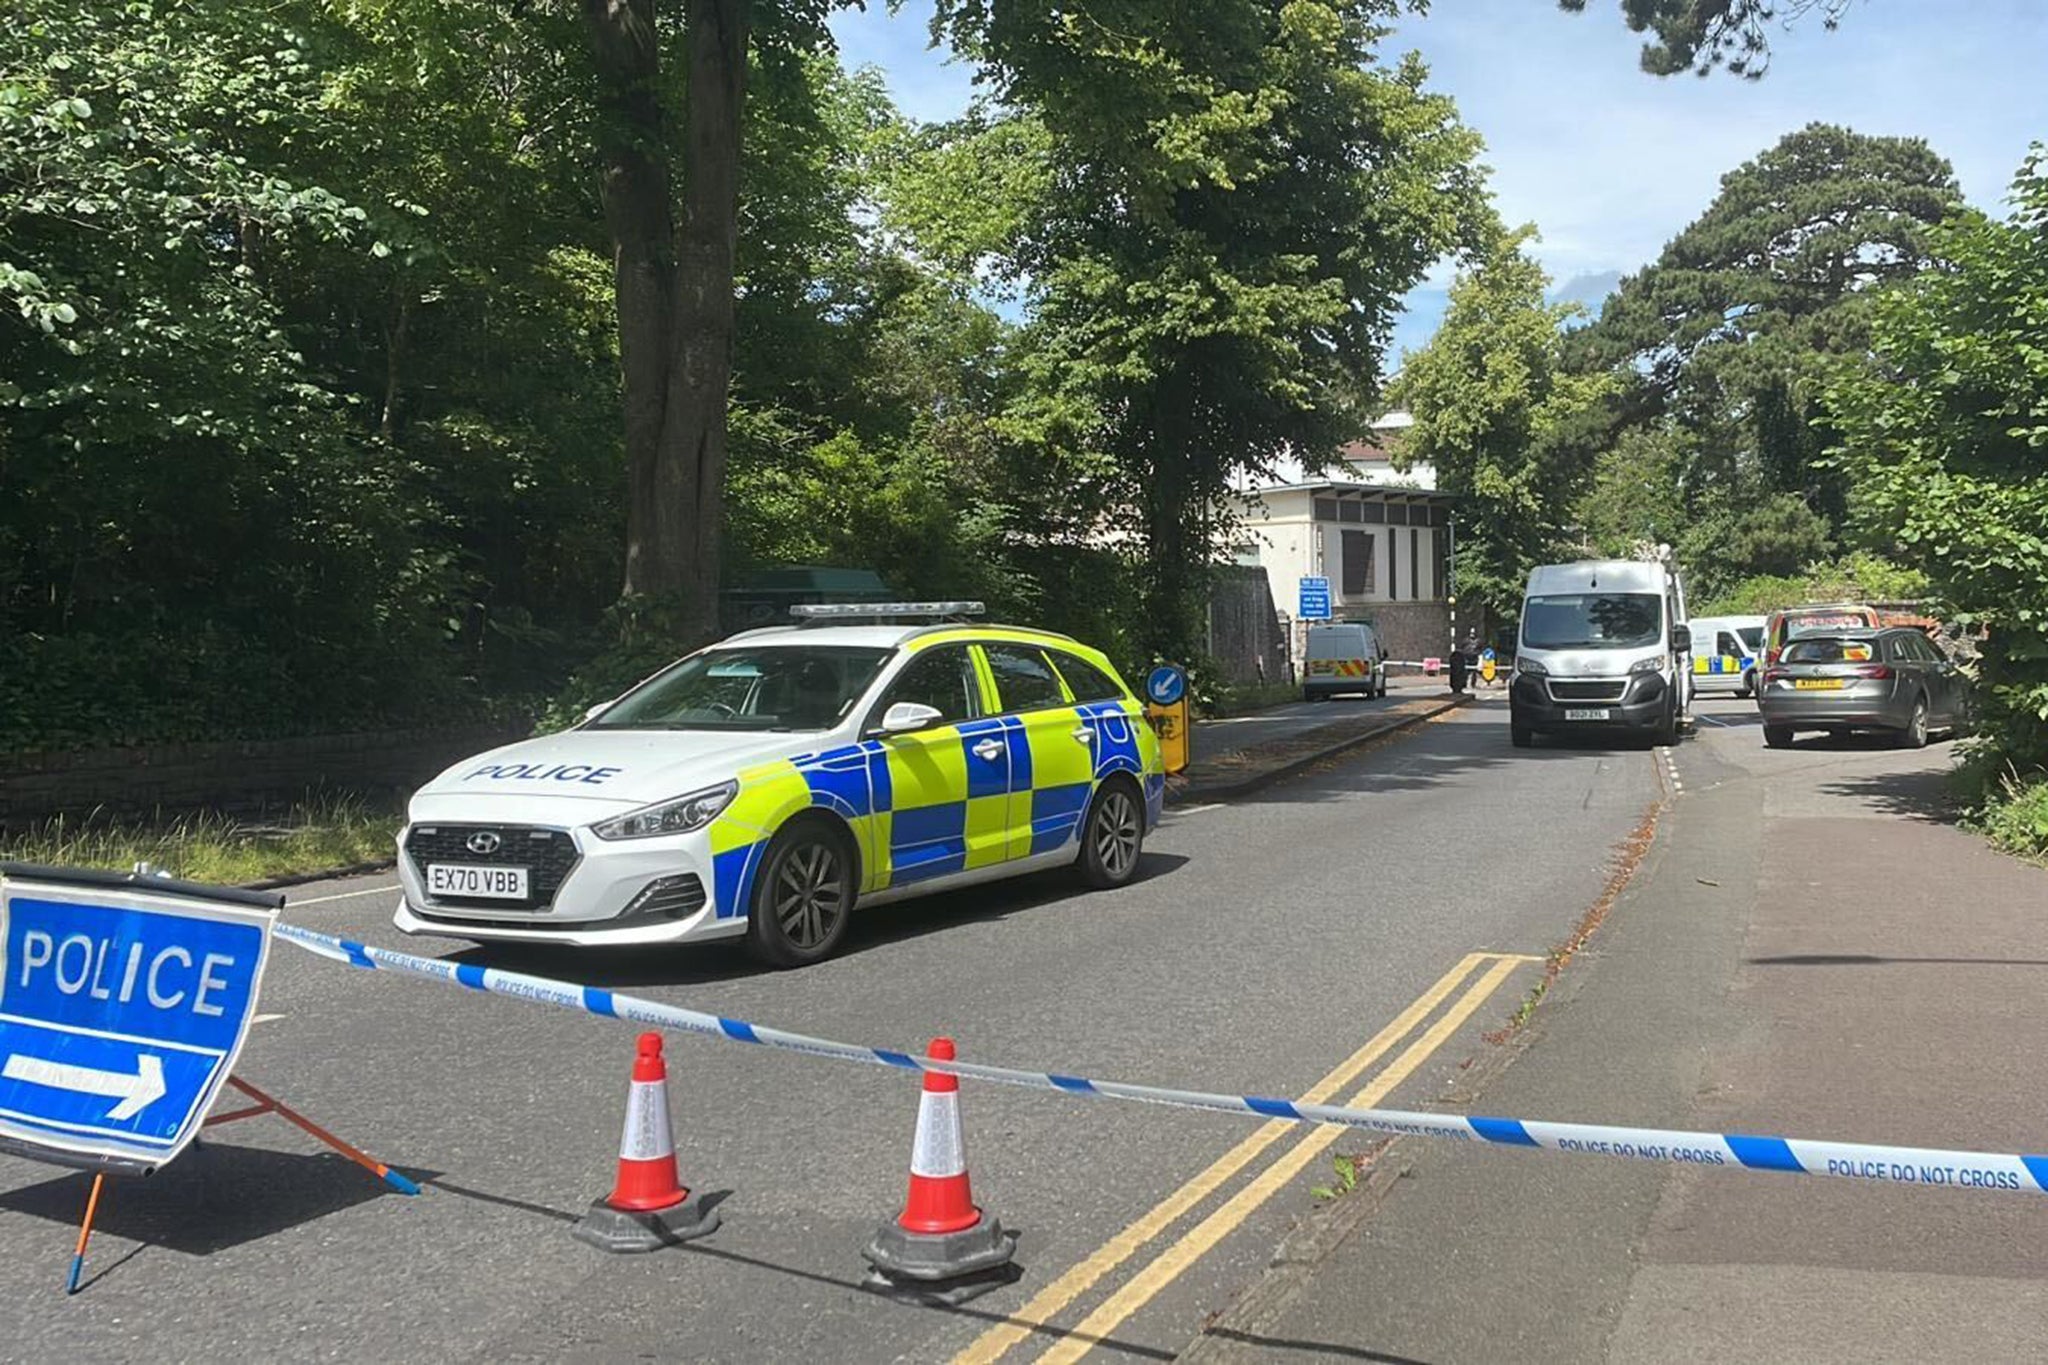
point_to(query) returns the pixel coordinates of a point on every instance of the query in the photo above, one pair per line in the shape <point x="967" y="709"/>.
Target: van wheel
<point x="1521" y="736"/>
<point x="803" y="895"/>
<point x="1777" y="737"/>
<point x="1113" y="836"/>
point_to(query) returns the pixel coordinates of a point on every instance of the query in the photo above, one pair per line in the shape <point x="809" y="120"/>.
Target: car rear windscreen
<point x="1830" y="651"/>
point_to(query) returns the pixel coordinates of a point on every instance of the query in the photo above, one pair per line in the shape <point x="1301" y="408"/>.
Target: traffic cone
<point x="941" y="1248"/>
<point x="649" y="1206"/>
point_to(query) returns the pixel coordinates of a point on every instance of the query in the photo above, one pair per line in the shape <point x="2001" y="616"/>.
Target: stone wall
<point x="1407" y="630"/>
<point x="1245" y="636"/>
<point x="231" y="775"/>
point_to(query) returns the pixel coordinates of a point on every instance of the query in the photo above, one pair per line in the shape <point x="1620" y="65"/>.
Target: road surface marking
<point x="1168" y="1265"/>
<point x="266" y="1018"/>
<point x="343" y="896"/>
<point x="1195" y="810"/>
<point x="1711" y="721"/>
<point x="1049" y="1301"/>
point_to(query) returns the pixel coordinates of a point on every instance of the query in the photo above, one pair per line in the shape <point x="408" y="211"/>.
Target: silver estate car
<point x="1895" y="680"/>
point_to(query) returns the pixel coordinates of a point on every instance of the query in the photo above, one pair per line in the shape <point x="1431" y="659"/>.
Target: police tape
<point x="1796" y="1156"/>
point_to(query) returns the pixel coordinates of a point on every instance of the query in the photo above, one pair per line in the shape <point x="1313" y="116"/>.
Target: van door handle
<point x="1085" y="734"/>
<point x="988" y="751"/>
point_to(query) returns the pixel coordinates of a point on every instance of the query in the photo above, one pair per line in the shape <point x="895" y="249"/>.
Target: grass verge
<point x="312" y="836"/>
<point x="2015" y="817"/>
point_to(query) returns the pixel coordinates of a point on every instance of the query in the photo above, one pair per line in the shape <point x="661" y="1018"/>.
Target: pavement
<point x="1235" y="756"/>
<point x="1812" y="950"/>
<point x="1809" y="949"/>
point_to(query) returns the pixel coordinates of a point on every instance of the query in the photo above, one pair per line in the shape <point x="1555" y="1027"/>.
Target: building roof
<point x="1342" y="487"/>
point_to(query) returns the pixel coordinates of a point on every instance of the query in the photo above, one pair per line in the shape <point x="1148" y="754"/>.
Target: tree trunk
<point x="689" y="481"/>
<point x="674" y="285"/>
<point x="395" y="338"/>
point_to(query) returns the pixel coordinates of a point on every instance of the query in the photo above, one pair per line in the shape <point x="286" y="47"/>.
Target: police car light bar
<point x="819" y="613"/>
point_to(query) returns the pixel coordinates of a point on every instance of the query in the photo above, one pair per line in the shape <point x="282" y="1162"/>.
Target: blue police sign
<point x="1315" y="599"/>
<point x="123" y="1005"/>
<point x="1165" y="685"/>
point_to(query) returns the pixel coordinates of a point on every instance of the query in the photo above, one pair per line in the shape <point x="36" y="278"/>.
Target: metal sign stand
<point x="126" y="1016"/>
<point x="265" y="1104"/>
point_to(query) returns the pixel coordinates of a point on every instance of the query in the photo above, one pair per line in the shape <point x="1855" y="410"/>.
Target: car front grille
<point x="1588" y="691"/>
<point x="548" y="855"/>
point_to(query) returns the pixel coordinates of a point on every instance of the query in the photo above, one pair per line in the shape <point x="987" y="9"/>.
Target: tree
<point x="1942" y="428"/>
<point x="1510" y="430"/>
<point x="674" y="250"/>
<point x="1700" y="35"/>
<point x="1728" y="334"/>
<point x="1242" y="193"/>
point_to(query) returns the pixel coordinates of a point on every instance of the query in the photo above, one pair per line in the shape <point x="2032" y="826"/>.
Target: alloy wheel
<point x="1117" y="834"/>
<point x="810" y="894"/>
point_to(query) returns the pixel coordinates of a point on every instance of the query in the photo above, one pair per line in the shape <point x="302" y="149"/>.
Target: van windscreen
<point x="1593" y="620"/>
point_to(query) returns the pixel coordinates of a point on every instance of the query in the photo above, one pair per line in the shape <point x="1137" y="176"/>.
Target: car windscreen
<point x="793" y="687"/>
<point x="1752" y="636"/>
<point x="1829" y="649"/>
<point x="1593" y="620"/>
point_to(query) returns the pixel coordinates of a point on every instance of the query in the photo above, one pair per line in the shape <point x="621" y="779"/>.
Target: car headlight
<point x="1641" y="666"/>
<point x="678" y="815"/>
<point x="1529" y="668"/>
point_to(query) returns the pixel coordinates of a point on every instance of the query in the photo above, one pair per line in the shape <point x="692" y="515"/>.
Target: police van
<point x="761" y="788"/>
<point x="1343" y="656"/>
<point x="1726" y="654"/>
<point x="1605" y="647"/>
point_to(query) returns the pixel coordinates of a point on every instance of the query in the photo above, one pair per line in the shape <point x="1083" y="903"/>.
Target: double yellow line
<point x="1037" y="1315"/>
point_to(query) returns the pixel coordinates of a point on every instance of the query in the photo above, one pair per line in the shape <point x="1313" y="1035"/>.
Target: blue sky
<point x="1610" y="163"/>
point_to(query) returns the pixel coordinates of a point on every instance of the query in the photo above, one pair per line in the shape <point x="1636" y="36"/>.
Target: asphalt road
<point x="1267" y="943"/>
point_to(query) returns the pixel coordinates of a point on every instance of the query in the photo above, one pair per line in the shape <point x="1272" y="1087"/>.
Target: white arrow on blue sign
<point x="123" y="1005"/>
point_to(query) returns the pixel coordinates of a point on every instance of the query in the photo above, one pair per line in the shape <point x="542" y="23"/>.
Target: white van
<point x="1727" y="652"/>
<point x="1343" y="656"/>
<point x="1604" y="646"/>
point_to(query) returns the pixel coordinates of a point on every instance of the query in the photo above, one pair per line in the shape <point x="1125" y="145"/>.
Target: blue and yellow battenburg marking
<point x="942" y="801"/>
<point x="1721" y="663"/>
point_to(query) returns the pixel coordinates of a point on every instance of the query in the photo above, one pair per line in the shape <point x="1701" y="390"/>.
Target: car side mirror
<point x="1681" y="639"/>
<point x="906" y="716"/>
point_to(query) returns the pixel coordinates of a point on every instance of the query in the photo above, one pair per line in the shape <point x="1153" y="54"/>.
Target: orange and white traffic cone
<point x="649" y="1206"/>
<point x="941" y="1247"/>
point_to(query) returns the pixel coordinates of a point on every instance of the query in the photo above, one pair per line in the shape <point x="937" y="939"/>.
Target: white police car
<point x="759" y="787"/>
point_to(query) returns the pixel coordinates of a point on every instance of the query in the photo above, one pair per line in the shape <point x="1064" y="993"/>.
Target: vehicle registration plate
<point x="491" y="883"/>
<point x="1817" y="684"/>
<point x="1587" y="713"/>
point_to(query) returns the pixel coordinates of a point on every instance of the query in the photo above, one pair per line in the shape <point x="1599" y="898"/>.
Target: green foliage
<point x="2014" y="815"/>
<point x="1244" y="192"/>
<point x="1943" y="429"/>
<point x="1858" y="577"/>
<point x="1701" y="35"/>
<point x="1722" y="345"/>
<point x="1508" y="428"/>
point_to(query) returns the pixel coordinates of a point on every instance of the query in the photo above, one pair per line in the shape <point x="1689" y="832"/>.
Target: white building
<point x="1383" y="542"/>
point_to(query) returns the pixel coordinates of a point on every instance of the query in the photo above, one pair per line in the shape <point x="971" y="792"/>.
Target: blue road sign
<point x="1165" y="685"/>
<point x="1315" y="599"/>
<point x="122" y="1009"/>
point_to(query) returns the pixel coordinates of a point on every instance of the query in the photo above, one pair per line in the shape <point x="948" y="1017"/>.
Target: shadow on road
<point x="1314" y="1348"/>
<point x="698" y="964"/>
<point x="1462" y="743"/>
<point x="213" y="1198"/>
<point x="1922" y="794"/>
